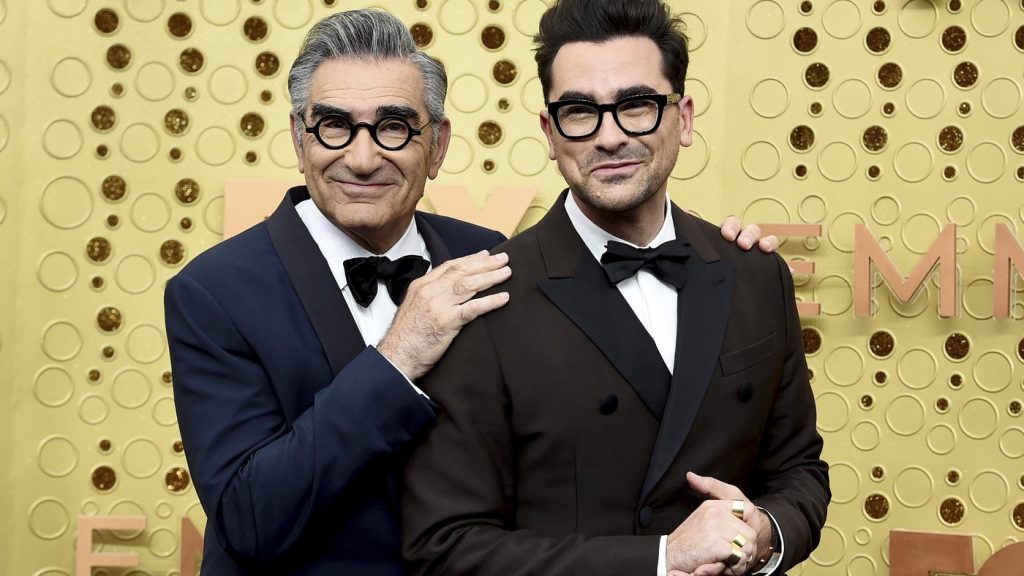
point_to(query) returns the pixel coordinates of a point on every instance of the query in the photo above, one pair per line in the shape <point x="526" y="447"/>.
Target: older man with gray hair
<point x="295" y="345"/>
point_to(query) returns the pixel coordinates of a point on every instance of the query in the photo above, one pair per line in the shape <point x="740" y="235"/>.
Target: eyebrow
<point x="636" y="90"/>
<point x="320" y="109"/>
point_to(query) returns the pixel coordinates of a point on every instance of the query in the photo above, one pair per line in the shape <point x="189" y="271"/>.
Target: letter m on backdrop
<point x="942" y="253"/>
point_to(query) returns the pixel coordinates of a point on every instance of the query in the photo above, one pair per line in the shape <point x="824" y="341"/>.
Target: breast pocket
<point x="749" y="357"/>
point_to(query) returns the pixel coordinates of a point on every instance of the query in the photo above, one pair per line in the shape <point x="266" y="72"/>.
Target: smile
<point x="615" y="168"/>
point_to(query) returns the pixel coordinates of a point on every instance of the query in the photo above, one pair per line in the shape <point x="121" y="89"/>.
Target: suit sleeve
<point x="260" y="477"/>
<point x="791" y="480"/>
<point x="459" y="506"/>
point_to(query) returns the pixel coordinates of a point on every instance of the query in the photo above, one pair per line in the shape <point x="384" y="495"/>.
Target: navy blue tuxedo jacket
<point x="294" y="429"/>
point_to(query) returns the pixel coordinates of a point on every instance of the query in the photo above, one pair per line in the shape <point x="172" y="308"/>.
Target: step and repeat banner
<point x="882" y="140"/>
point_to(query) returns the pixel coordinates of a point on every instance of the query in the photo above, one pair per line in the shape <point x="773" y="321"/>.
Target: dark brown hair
<point x="602" y="20"/>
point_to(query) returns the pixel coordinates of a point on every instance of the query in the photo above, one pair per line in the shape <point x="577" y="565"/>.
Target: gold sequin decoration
<point x="422" y="34"/>
<point x="255" y="28"/>
<point x="103" y="118"/>
<point x="109" y="319"/>
<point x="179" y="25"/>
<point x="177" y="479"/>
<point x="876" y="506"/>
<point x="113" y="220"/>
<point x="98" y="249"/>
<point x="875" y="138"/>
<point x="1020" y="173"/>
<point x="191" y="60"/>
<point x="176" y="121"/>
<point x="878" y="40"/>
<point x="102" y="150"/>
<point x="954" y="5"/>
<point x="191" y="93"/>
<point x="488" y="166"/>
<point x="187" y="190"/>
<point x="867" y="401"/>
<point x="421" y="4"/>
<point x="174" y="153"/>
<point x="874" y="172"/>
<point x="816" y="75"/>
<point x="965" y="74"/>
<point x="812" y="340"/>
<point x="1014" y="407"/>
<point x="956" y="380"/>
<point x="810" y="375"/>
<point x="107" y="352"/>
<point x="806" y="6"/>
<point x="494" y="5"/>
<point x="97" y="282"/>
<point x="1020" y="349"/>
<point x="1017" y="139"/>
<point x="489" y="133"/>
<point x="267" y="63"/>
<point x="951" y="138"/>
<point x="949" y="172"/>
<point x="117" y="89"/>
<point x="186" y="223"/>
<point x="957" y="346"/>
<point x="888" y="108"/>
<point x="954" y="38"/>
<point x="881" y="377"/>
<point x="879" y="7"/>
<point x="942" y="404"/>
<point x="172" y="252"/>
<point x="266" y="96"/>
<point x="504" y="104"/>
<point x="881" y="343"/>
<point x="1018" y="38"/>
<point x="802" y="138"/>
<point x="800" y="170"/>
<point x="105" y="445"/>
<point x="252" y="125"/>
<point x="104" y="478"/>
<point x="493" y="37"/>
<point x="167" y="377"/>
<point x="119" y="56"/>
<point x="877" y="472"/>
<point x="890" y="75"/>
<point x="94" y="376"/>
<point x="1018" y="514"/>
<point x="816" y="108"/>
<point x="113" y="188"/>
<point x="964" y="109"/>
<point x="951" y="511"/>
<point x="106" y="20"/>
<point x="952" y="476"/>
<point x="251" y="157"/>
<point x="505" y="72"/>
<point x="805" y="40"/>
<point x="178" y="447"/>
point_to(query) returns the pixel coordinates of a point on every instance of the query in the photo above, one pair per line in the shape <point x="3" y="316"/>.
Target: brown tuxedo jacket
<point x="563" y="440"/>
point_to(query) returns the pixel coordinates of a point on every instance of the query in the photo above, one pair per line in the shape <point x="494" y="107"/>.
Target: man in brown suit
<point x="646" y="417"/>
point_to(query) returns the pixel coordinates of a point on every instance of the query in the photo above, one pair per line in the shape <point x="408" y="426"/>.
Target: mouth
<point x="615" y="168"/>
<point x="361" y="188"/>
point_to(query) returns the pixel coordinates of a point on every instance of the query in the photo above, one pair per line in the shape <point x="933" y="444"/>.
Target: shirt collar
<point x="596" y="238"/>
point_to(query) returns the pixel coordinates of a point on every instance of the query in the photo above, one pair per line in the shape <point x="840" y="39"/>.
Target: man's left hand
<point x="745" y="237"/>
<point x="756" y="518"/>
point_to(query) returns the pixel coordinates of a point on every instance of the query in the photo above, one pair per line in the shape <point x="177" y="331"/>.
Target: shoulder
<point x="236" y="259"/>
<point x="707" y="239"/>
<point x="463" y="236"/>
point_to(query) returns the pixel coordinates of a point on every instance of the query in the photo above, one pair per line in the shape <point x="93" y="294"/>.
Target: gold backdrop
<point x="121" y="120"/>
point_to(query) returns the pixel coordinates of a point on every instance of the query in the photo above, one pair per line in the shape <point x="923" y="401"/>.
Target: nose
<point x="609" y="136"/>
<point x="362" y="155"/>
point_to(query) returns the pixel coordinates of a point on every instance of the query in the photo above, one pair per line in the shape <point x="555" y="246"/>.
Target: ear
<point x="441" y="148"/>
<point x="297" y="131"/>
<point x="547" y="125"/>
<point x="685" y="107"/>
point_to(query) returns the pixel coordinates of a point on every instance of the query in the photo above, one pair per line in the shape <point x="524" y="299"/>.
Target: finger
<point x="768" y="244"/>
<point x="714" y="488"/>
<point x="482" y="261"/>
<point x="749" y="236"/>
<point x="731" y="227"/>
<point x="467" y="287"/>
<point x="470" y="310"/>
<point x="710" y="569"/>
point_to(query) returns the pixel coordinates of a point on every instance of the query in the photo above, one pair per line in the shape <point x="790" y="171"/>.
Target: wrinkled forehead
<point x="363" y="85"/>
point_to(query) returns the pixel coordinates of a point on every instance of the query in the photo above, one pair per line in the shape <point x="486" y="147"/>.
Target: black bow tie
<point x="667" y="262"/>
<point x="363" y="274"/>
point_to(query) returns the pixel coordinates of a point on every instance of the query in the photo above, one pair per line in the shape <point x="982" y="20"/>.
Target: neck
<point x="377" y="241"/>
<point x="638" y="225"/>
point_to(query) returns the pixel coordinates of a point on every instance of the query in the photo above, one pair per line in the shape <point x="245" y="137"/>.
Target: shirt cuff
<point x="662" y="548"/>
<point x="414" y="387"/>
<point x="778" y="546"/>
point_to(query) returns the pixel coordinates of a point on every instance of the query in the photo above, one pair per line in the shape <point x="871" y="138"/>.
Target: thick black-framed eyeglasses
<point x="635" y="115"/>
<point x="335" y="132"/>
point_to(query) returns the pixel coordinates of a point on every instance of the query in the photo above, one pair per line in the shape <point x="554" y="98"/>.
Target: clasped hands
<point x="726" y="534"/>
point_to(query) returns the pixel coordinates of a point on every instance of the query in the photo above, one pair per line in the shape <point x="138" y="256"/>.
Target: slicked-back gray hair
<point x="372" y="34"/>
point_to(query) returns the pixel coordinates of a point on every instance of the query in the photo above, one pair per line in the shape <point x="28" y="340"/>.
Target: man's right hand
<point x="438" y="305"/>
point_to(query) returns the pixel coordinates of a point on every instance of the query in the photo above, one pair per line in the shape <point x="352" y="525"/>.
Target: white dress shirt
<point x="655" y="304"/>
<point x="374" y="320"/>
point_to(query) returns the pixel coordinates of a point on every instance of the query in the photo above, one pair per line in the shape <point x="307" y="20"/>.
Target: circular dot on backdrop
<point x="842" y="19"/>
<point x="154" y="81"/>
<point x="761" y="160"/>
<point x="769" y="98"/>
<point x="48" y="519"/>
<point x="70" y="77"/>
<point x="57" y="456"/>
<point x="215" y="146"/>
<point x="766" y="19"/>
<point x="163" y="412"/>
<point x="219" y="12"/>
<point x="978" y="418"/>
<point x="918" y="18"/>
<point x="852" y="98"/>
<point x="139" y="143"/>
<point x="53" y="387"/>
<point x="141" y="458"/>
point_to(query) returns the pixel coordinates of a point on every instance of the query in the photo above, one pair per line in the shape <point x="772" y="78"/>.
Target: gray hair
<point x="372" y="34"/>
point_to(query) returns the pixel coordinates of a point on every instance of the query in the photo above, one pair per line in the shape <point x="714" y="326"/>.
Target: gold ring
<point x="738" y="508"/>
<point x="739" y="540"/>
<point x="734" y="557"/>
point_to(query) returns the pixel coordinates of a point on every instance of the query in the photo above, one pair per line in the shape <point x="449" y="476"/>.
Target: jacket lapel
<point x="703" y="314"/>
<point x="314" y="283"/>
<point x="577" y="285"/>
<point x="438" y="250"/>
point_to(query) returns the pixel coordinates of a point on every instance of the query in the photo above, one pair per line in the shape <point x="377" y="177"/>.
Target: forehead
<point x="361" y="85"/>
<point x="602" y="68"/>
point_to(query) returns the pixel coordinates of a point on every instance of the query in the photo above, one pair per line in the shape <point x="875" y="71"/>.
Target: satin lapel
<point x="577" y="285"/>
<point x="703" y="314"/>
<point x="313" y="282"/>
<point x="438" y="250"/>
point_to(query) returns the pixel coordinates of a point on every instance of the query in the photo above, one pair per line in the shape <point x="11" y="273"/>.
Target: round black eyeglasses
<point x="635" y="115"/>
<point x="335" y="132"/>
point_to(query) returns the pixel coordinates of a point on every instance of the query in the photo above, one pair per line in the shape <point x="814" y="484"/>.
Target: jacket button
<point x="645" y="516"/>
<point x="745" y="393"/>
<point x="609" y="404"/>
